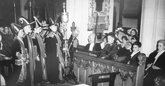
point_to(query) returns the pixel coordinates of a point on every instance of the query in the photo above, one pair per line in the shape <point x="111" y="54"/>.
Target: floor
<point x="66" y="83"/>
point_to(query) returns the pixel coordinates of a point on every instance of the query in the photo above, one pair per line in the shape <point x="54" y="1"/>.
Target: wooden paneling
<point x="87" y="63"/>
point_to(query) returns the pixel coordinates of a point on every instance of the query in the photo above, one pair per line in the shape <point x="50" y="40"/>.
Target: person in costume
<point x="54" y="55"/>
<point x="20" y="53"/>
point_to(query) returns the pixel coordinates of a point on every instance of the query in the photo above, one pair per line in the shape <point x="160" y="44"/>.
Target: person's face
<point x="21" y="34"/>
<point x="133" y="40"/>
<point x="6" y="30"/>
<point x="37" y="30"/>
<point x="104" y="40"/>
<point x="128" y="46"/>
<point x="110" y="39"/>
<point x="161" y="47"/>
<point x="135" y="48"/>
<point x="53" y="28"/>
<point x="124" y="40"/>
<point x="133" y="33"/>
<point x="27" y="29"/>
<point x="91" y="39"/>
<point x="43" y="22"/>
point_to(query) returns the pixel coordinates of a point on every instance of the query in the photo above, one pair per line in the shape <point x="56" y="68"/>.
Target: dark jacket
<point x="134" y="60"/>
<point x="96" y="47"/>
<point x="109" y="51"/>
<point x="160" y="61"/>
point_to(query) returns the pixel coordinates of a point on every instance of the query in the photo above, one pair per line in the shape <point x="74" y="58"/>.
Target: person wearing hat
<point x="133" y="33"/>
<point x="21" y="74"/>
<point x="15" y="79"/>
<point x="110" y="49"/>
<point x="54" y="59"/>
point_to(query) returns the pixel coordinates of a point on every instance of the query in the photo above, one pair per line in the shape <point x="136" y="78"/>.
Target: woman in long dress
<point x="52" y="61"/>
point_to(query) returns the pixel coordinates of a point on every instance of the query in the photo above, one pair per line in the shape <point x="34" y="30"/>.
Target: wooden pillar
<point x="30" y="11"/>
<point x="121" y="13"/>
<point x="139" y="17"/>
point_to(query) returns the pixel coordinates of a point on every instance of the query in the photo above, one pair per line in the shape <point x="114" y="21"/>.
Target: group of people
<point x="124" y="46"/>
<point x="39" y="54"/>
<point x="116" y="46"/>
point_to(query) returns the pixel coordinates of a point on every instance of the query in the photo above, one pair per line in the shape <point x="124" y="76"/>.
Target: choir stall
<point x="86" y="64"/>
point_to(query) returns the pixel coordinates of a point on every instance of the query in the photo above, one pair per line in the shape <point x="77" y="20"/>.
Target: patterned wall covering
<point x="102" y="9"/>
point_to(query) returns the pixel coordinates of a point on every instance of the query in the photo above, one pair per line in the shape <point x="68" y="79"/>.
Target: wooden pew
<point x="87" y="63"/>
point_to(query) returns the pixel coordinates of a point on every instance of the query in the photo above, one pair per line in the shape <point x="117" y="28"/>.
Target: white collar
<point x="161" y="52"/>
<point x="91" y="47"/>
<point x="134" y="53"/>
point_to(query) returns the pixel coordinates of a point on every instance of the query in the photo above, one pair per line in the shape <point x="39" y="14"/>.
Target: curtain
<point x="79" y="11"/>
<point x="152" y="24"/>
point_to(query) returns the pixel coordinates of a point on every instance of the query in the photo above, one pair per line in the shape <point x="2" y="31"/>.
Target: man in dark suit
<point x="110" y="49"/>
<point x="92" y="46"/>
<point x="133" y="59"/>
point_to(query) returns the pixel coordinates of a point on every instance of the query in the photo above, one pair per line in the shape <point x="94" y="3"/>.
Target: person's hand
<point x="7" y="58"/>
<point x="155" y="67"/>
<point x="4" y="57"/>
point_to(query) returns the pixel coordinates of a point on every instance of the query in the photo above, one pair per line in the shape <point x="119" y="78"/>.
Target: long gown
<point x="16" y="47"/>
<point x="38" y="68"/>
<point x="14" y="78"/>
<point x="6" y="45"/>
<point x="52" y="61"/>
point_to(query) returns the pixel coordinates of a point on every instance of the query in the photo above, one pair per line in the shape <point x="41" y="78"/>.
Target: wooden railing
<point x="87" y="63"/>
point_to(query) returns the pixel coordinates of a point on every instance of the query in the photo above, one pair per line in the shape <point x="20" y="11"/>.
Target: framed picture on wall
<point x="98" y="17"/>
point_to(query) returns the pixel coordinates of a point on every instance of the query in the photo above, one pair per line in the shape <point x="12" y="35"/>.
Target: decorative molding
<point x="87" y="60"/>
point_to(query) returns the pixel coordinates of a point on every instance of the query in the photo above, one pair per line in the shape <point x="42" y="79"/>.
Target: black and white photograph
<point x="82" y="43"/>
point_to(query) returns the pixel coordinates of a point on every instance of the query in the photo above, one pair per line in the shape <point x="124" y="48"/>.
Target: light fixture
<point x="64" y="15"/>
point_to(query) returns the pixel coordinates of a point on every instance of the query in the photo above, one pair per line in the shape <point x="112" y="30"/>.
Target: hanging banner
<point x="102" y="9"/>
